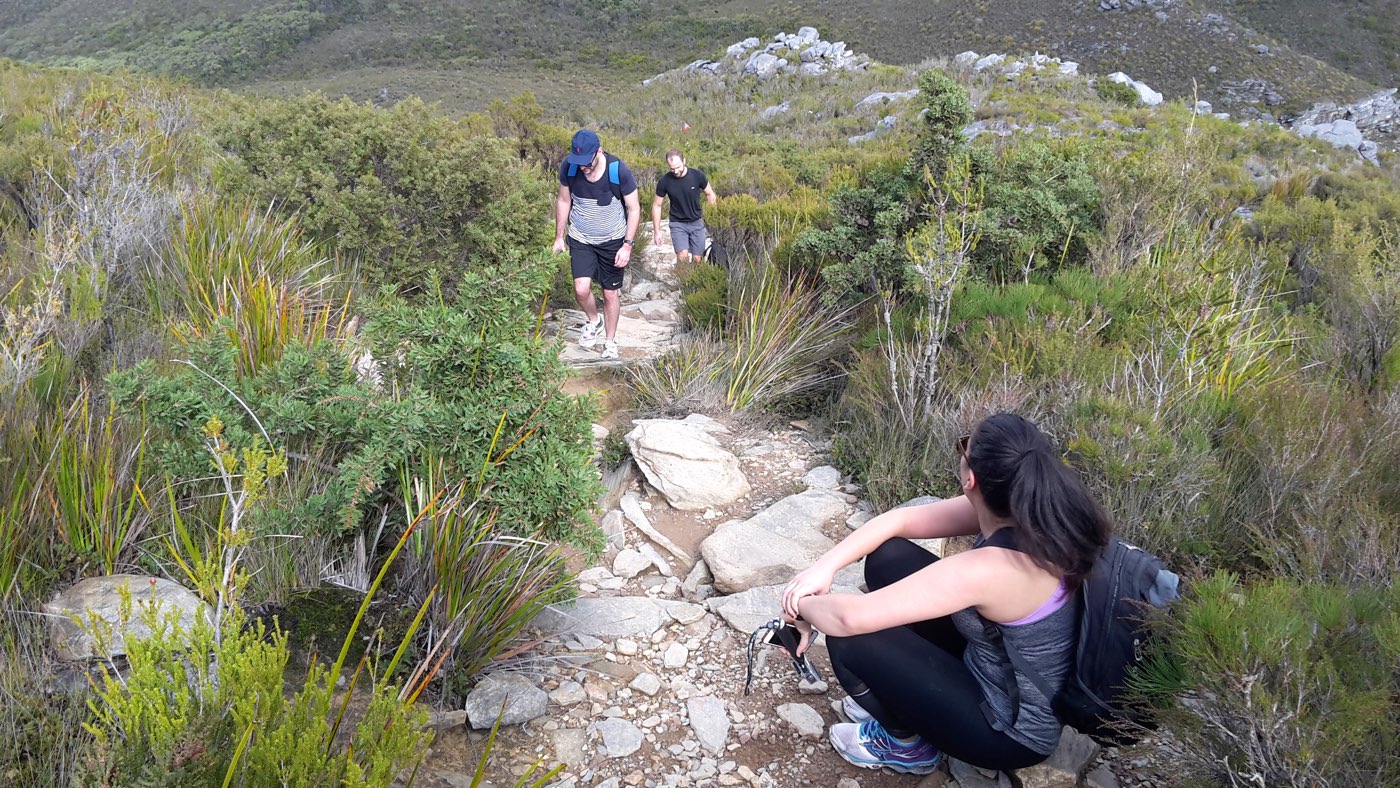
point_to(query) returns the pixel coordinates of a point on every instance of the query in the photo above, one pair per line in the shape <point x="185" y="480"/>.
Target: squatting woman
<point x="920" y="655"/>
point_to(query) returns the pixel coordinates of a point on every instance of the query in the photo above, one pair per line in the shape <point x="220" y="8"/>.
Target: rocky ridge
<point x="803" y="52"/>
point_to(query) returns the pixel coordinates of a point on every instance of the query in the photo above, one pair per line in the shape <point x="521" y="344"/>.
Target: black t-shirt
<point x="685" y="193"/>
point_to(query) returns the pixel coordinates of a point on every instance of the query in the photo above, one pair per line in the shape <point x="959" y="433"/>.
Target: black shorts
<point x="595" y="261"/>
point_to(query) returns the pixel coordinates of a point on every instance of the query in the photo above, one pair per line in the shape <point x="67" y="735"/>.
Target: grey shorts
<point x="689" y="236"/>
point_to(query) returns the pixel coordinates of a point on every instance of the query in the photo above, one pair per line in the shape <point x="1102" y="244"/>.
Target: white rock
<point x="684" y="613"/>
<point x="630" y="563"/>
<point x="823" y="476"/>
<point x="676" y="656"/>
<point x="858" y="519"/>
<point x="620" y="737"/>
<point x="1148" y="96"/>
<point x="709" y="721"/>
<point x="881" y="98"/>
<point x="804" y="719"/>
<point x="523" y="701"/>
<point x="686" y="464"/>
<point x="568" y="693"/>
<point x="965" y="60"/>
<point x="608" y="617"/>
<point x="773" y="545"/>
<point x="100" y="597"/>
<point x="988" y="62"/>
<point x="646" y="683"/>
<point x="654" y="559"/>
<point x="614" y="527"/>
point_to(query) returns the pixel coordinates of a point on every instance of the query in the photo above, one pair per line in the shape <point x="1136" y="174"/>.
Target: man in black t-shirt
<point x="683" y="185"/>
<point x="599" y="210"/>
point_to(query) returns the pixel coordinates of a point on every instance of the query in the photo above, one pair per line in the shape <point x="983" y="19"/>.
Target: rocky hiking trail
<point x="640" y="682"/>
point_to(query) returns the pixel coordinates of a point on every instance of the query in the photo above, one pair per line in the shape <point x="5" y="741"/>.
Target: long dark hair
<point x="1022" y="477"/>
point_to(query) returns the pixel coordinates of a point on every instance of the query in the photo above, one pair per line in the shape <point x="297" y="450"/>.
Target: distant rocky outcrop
<point x="1135" y="5"/>
<point x="1354" y="126"/>
<point x="1146" y="94"/>
<point x="803" y="52"/>
<point x="971" y="61"/>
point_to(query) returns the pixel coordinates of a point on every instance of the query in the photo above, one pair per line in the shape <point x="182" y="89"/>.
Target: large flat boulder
<point x="605" y="617"/>
<point x="748" y="610"/>
<point x="774" y="544"/>
<point x="101" y="597"/>
<point x="687" y="464"/>
<point x="743" y="555"/>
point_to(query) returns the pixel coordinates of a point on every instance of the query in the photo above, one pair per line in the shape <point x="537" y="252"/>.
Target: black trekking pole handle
<point x="786" y="637"/>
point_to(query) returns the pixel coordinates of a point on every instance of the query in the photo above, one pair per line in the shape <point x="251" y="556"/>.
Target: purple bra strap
<point x="1056" y="601"/>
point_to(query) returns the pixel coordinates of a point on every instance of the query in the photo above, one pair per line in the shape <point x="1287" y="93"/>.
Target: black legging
<point x="912" y="678"/>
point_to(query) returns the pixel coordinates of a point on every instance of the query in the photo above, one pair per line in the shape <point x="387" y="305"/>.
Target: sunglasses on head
<point x="962" y="443"/>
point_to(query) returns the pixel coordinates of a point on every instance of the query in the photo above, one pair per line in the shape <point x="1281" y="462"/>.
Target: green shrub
<point x="705" y="296"/>
<point x="460" y="382"/>
<point x="861" y="251"/>
<point x="485" y="586"/>
<point x="778" y="352"/>
<point x="42" y="739"/>
<point x="947" y="111"/>
<point x="1041" y="208"/>
<point x="1117" y="92"/>
<point x="208" y="706"/>
<point x="254" y="271"/>
<point x="1285" y="683"/>
<point x="402" y="189"/>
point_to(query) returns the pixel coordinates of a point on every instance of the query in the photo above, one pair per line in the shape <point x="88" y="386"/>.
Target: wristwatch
<point x="628" y="241"/>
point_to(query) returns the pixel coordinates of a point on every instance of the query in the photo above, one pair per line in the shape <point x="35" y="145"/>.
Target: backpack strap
<point x="614" y="174"/>
<point x="615" y="178"/>
<point x="1015" y="660"/>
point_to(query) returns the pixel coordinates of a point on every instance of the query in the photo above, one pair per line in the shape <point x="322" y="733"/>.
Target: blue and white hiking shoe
<point x="869" y="746"/>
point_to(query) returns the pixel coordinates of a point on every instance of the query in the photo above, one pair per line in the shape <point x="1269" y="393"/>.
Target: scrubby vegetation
<point x="1204" y="317"/>
<point x="257" y="363"/>
<point x="259" y="345"/>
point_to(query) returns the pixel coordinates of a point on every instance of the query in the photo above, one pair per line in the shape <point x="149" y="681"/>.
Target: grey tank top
<point x="1048" y="644"/>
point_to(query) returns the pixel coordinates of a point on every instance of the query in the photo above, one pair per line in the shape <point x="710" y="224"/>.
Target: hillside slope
<point x="466" y="52"/>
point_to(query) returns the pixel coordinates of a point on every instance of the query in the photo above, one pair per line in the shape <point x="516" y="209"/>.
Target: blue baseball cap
<point x="583" y="148"/>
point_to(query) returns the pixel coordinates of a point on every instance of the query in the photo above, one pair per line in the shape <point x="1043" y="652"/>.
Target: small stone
<point x="709" y="721"/>
<point x="614" y="526"/>
<point x="676" y="656"/>
<point x="646" y="683"/>
<point x="444" y="720"/>
<point x="818" y="687"/>
<point x="1100" y="778"/>
<point x="823" y="477"/>
<point x="569" y="693"/>
<point x="620" y="737"/>
<point x="804" y="719"/>
<point x="630" y="563"/>
<point x="523" y="701"/>
<point x="626" y="647"/>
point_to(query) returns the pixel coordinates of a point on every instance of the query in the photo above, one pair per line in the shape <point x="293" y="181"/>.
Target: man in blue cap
<point x="595" y="219"/>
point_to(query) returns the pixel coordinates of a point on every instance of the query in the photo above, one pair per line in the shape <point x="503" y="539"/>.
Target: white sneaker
<point x="610" y="349"/>
<point x="588" y="336"/>
<point x="853" y="711"/>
